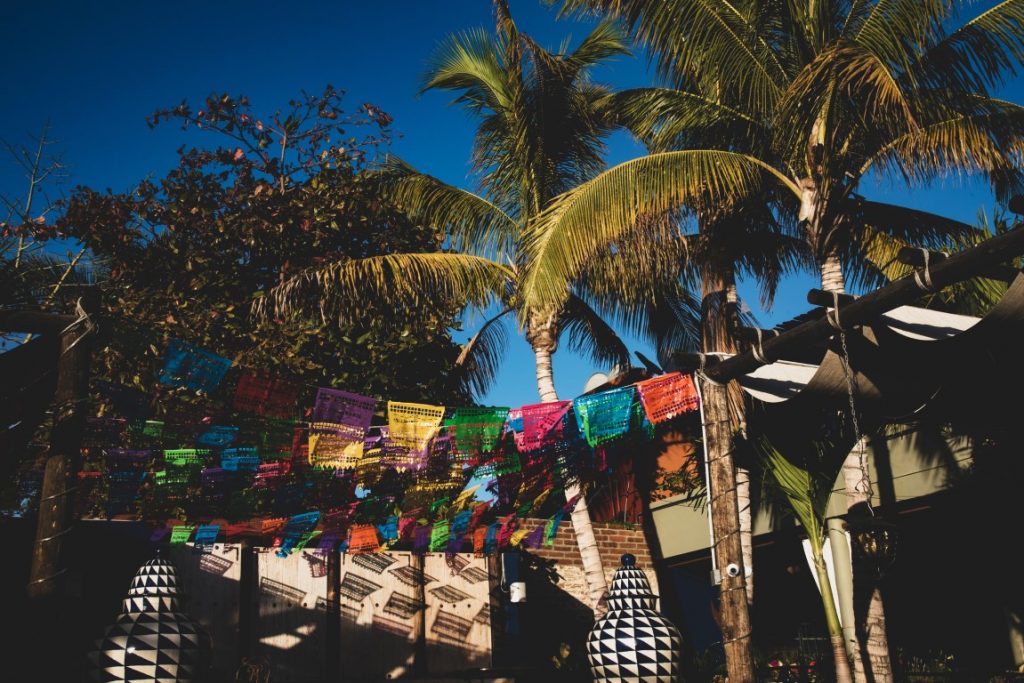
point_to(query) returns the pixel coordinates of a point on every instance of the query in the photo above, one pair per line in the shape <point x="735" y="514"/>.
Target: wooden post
<point x="248" y="596"/>
<point x="419" y="620"/>
<point x="725" y="519"/>
<point x="332" y="632"/>
<point x="56" y="502"/>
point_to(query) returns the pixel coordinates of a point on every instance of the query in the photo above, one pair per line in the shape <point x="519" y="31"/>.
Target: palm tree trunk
<point x="742" y="473"/>
<point x="746" y="528"/>
<point x="835" y="631"/>
<point x="872" y="639"/>
<point x="545" y="375"/>
<point x="871" y="662"/>
<point x="543" y="339"/>
<point x="722" y="496"/>
<point x="590" y="554"/>
<point x="832" y="279"/>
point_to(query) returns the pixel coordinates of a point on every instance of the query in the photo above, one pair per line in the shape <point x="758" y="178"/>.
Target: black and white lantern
<point x="152" y="640"/>
<point x="632" y="643"/>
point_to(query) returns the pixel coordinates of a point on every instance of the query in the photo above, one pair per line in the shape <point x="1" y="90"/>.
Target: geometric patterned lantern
<point x="632" y="643"/>
<point x="152" y="640"/>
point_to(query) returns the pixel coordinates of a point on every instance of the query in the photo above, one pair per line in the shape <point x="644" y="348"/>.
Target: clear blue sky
<point x="96" y="70"/>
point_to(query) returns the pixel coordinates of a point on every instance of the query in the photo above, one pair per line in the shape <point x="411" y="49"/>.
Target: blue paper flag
<point x="206" y="536"/>
<point x="187" y="365"/>
<point x="218" y="436"/>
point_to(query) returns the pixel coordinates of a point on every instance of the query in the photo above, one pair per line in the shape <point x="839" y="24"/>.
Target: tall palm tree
<point x="810" y="98"/>
<point x="753" y="238"/>
<point x="540" y="131"/>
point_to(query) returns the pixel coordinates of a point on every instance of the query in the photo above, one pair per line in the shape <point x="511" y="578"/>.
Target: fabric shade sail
<point x="910" y="364"/>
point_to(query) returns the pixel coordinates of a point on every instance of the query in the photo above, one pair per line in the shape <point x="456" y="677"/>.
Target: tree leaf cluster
<point x="184" y="256"/>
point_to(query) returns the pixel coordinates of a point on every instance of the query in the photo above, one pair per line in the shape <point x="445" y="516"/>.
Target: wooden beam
<point x="819" y="297"/>
<point x="56" y="502"/>
<point x="35" y="322"/>
<point x="957" y="267"/>
<point x="753" y="335"/>
<point x="913" y="256"/>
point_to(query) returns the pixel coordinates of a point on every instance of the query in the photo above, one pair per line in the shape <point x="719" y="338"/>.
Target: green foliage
<point x="806" y="487"/>
<point x="186" y="255"/>
<point x="540" y="131"/>
<point x="788" y="104"/>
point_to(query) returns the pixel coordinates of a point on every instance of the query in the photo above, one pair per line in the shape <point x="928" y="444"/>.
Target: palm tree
<point x="753" y="238"/>
<point x="808" y="98"/>
<point x="807" y="489"/>
<point x="540" y="132"/>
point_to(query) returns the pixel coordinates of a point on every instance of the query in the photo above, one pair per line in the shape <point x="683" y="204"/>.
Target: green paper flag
<point x="181" y="533"/>
<point x="439" y="536"/>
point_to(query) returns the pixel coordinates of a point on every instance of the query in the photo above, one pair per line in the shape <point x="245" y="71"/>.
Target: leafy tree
<point x="185" y="255"/>
<point x="31" y="271"/>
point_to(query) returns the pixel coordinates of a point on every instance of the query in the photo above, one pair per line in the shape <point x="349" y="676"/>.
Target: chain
<point x="865" y="483"/>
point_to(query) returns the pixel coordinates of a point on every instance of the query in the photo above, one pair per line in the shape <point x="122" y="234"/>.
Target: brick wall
<point x="612" y="540"/>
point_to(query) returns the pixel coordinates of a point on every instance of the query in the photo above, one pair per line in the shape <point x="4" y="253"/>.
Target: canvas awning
<point x="910" y="361"/>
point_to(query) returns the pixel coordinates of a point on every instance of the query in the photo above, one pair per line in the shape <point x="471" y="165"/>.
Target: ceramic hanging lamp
<point x="152" y="640"/>
<point x="632" y="643"/>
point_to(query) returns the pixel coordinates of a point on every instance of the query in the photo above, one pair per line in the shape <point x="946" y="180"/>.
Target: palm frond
<point x="665" y="118"/>
<point x="469" y="63"/>
<point x="806" y="492"/>
<point x="588" y="334"/>
<point x="32" y="283"/>
<point x="895" y="31"/>
<point x="397" y="286"/>
<point x="481" y="356"/>
<point x="988" y="138"/>
<point x="605" y="40"/>
<point x="475" y="225"/>
<point x="730" y="43"/>
<point x="850" y="88"/>
<point x="581" y="222"/>
<point x="978" y="55"/>
<point x="644" y="285"/>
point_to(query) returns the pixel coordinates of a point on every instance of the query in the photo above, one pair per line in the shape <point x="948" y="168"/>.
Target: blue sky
<point x="97" y="70"/>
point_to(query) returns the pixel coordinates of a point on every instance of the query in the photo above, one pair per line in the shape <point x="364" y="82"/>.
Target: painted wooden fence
<point x="212" y="597"/>
<point x="397" y="613"/>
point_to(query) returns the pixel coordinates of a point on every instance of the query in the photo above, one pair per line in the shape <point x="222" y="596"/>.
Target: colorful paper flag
<point x="335" y="446"/>
<point x="181" y="533"/>
<point x="363" y="538"/>
<point x="545" y="424"/>
<point x="342" y="407"/>
<point x="262" y="394"/>
<point x="218" y="436"/>
<point x="439" y="536"/>
<point x="206" y="536"/>
<point x="668" y="396"/>
<point x="412" y="426"/>
<point x="604" y="416"/>
<point x="187" y="365"/>
<point x="476" y="432"/>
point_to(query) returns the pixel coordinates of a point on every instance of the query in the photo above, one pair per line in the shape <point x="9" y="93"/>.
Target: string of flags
<point x="430" y="477"/>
